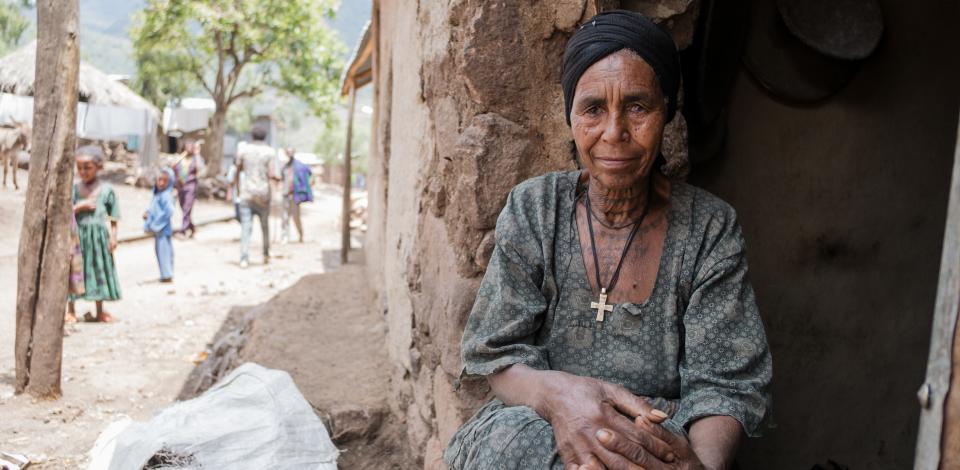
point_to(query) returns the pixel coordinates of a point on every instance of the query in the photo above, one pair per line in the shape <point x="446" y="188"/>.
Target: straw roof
<point x="17" y="74"/>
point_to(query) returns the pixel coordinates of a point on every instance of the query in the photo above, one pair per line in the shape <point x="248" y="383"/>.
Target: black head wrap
<point x="615" y="30"/>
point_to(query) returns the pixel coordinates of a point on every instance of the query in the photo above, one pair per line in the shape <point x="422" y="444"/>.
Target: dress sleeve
<point x="510" y="307"/>
<point x="112" y="205"/>
<point x="726" y="365"/>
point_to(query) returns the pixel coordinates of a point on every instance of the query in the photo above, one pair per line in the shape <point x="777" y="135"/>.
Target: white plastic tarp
<point x="94" y="122"/>
<point x="191" y="114"/>
<point x="253" y="418"/>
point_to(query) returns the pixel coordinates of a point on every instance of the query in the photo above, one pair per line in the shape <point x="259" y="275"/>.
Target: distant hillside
<point x="103" y="34"/>
<point x="110" y="17"/>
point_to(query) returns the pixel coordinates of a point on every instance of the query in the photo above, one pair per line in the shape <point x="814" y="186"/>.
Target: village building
<point x="107" y="111"/>
<point x="841" y="185"/>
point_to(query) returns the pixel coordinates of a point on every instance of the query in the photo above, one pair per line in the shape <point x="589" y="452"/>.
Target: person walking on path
<point x="187" y="169"/>
<point x="296" y="191"/>
<point x="157" y="221"/>
<point x="256" y="161"/>
<point x="97" y="210"/>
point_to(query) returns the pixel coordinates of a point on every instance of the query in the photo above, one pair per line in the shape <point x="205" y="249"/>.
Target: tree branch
<point x="248" y="93"/>
<point x="220" y="86"/>
<point x="195" y="69"/>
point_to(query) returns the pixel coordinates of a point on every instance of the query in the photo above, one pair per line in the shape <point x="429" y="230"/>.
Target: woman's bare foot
<point x="70" y="318"/>
<point x="102" y="317"/>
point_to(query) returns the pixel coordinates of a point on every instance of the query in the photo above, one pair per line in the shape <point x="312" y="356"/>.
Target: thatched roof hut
<point x="17" y="74"/>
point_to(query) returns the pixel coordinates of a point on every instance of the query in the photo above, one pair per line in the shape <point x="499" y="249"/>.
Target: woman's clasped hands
<point x="594" y="431"/>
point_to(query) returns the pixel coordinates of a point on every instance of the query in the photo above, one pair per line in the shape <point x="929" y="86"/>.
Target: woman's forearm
<point x="715" y="440"/>
<point x="521" y="384"/>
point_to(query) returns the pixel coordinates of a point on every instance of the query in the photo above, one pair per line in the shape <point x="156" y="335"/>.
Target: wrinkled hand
<point x="113" y="244"/>
<point x="578" y="408"/>
<point x="685" y="457"/>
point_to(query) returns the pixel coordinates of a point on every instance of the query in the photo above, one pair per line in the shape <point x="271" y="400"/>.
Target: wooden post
<point x="347" y="179"/>
<point x="938" y="439"/>
<point x="45" y="237"/>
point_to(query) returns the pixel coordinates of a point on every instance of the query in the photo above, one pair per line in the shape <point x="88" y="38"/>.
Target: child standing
<point x="97" y="211"/>
<point x="156" y="220"/>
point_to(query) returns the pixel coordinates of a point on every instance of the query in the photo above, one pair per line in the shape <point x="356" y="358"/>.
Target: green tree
<point x="330" y="142"/>
<point x="12" y="23"/>
<point x="235" y="49"/>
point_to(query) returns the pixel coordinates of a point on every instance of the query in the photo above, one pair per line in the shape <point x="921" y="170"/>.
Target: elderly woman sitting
<point x="615" y="323"/>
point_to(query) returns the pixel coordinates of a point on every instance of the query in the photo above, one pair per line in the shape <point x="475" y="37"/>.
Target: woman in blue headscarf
<point x="157" y="220"/>
<point x="615" y="324"/>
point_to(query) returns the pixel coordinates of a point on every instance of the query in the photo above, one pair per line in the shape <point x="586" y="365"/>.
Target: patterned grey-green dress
<point x="696" y="347"/>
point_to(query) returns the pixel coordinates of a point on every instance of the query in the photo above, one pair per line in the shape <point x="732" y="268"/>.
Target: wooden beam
<point x="347" y="179"/>
<point x="938" y="439"/>
<point x="361" y="79"/>
<point x="44" y="263"/>
<point x="950" y="441"/>
<point x="365" y="54"/>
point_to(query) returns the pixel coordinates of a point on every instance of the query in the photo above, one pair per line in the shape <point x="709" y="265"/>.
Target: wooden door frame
<point x="938" y="439"/>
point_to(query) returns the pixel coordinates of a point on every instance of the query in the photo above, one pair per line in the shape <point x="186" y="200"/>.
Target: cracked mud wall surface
<point x="468" y="104"/>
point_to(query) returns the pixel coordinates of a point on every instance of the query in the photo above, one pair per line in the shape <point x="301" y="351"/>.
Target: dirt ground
<point x="332" y="346"/>
<point x="141" y="363"/>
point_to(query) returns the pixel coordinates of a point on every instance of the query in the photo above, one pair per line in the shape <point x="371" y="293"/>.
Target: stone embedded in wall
<point x="352" y="422"/>
<point x="485" y="250"/>
<point x="418" y="430"/>
<point x="677" y="16"/>
<point x="489" y="156"/>
<point x="568" y="14"/>
<point x="450" y="324"/>
<point x="441" y="309"/>
<point x="486" y="161"/>
<point x="423" y="393"/>
<point x="453" y="406"/>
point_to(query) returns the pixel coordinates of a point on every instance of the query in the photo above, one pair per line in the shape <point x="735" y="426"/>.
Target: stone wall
<point x="468" y="104"/>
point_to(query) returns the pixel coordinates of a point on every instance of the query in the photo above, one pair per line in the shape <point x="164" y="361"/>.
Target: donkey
<point x="13" y="138"/>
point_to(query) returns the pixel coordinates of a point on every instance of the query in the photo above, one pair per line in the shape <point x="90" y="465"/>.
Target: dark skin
<point x="87" y="169"/>
<point x="162" y="182"/>
<point x="617" y="120"/>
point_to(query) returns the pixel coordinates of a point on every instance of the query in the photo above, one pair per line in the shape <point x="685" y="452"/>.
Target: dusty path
<point x="332" y="346"/>
<point x="140" y="363"/>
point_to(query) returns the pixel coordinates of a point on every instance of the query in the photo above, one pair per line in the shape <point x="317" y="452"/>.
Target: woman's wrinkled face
<point x="617" y="119"/>
<point x="163" y="181"/>
<point x="87" y="168"/>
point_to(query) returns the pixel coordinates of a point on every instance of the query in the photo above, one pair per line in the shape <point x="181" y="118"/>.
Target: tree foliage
<point x="330" y="142"/>
<point x="234" y="49"/>
<point x="12" y="23"/>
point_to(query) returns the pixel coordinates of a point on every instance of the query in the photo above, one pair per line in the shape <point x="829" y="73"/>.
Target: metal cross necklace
<point x="601" y="304"/>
